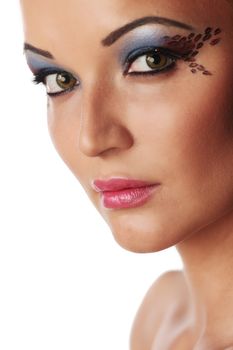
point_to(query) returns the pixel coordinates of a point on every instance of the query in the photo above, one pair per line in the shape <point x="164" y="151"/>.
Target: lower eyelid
<point x="60" y="93"/>
<point x="152" y="71"/>
<point x="169" y="69"/>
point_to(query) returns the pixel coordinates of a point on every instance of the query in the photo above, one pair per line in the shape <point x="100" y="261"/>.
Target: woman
<point x="140" y="107"/>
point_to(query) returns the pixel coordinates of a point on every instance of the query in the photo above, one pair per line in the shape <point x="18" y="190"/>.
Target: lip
<point x="117" y="184"/>
<point x="117" y="193"/>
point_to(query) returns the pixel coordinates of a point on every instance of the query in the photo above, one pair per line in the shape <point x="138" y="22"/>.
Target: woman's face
<point x="171" y="125"/>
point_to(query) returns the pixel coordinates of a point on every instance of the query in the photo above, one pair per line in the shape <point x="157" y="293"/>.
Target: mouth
<point x="118" y="193"/>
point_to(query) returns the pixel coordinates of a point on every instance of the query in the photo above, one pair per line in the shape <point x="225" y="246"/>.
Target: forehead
<point x="94" y="15"/>
<point x="51" y="23"/>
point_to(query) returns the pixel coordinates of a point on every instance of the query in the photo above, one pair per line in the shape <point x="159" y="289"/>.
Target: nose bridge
<point x="101" y="126"/>
<point x="95" y="103"/>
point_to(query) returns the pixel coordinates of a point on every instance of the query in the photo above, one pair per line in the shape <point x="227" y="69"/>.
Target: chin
<point x="151" y="228"/>
<point x="141" y="239"/>
<point x="137" y="247"/>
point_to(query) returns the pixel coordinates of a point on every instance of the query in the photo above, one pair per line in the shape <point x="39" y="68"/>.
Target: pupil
<point x="63" y="78"/>
<point x="154" y="58"/>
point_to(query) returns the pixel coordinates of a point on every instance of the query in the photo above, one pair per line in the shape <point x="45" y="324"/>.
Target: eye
<point x="150" y="62"/>
<point x="56" y="83"/>
<point x="59" y="82"/>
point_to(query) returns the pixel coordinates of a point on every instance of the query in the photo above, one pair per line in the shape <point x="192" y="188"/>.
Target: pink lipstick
<point x="118" y="193"/>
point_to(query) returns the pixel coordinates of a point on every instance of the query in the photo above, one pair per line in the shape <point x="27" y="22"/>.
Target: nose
<point x="102" y="126"/>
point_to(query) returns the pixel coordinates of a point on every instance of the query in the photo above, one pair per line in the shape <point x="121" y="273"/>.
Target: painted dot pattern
<point x="217" y="31"/>
<point x="215" y="41"/>
<point x="192" y="44"/>
<point x="199" y="45"/>
<point x="208" y="30"/>
<point x="198" y="37"/>
<point x="176" y="37"/>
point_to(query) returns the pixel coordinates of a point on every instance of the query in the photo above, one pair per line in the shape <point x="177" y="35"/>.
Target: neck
<point x="208" y="269"/>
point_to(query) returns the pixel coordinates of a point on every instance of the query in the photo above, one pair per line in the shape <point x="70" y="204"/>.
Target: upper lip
<point x="116" y="184"/>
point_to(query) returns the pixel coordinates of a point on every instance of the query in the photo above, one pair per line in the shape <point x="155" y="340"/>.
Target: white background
<point x="64" y="281"/>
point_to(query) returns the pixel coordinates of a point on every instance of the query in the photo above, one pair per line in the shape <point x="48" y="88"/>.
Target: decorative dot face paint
<point x="195" y="42"/>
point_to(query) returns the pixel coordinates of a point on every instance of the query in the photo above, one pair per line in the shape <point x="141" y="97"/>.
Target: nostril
<point x="96" y="141"/>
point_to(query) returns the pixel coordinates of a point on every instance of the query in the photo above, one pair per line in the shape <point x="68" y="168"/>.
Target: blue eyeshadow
<point x="142" y="39"/>
<point x="36" y="62"/>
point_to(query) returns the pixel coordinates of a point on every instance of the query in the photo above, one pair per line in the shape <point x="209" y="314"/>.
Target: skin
<point x="174" y="128"/>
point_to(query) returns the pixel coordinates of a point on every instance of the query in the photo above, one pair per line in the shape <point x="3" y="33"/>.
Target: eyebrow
<point x="41" y="52"/>
<point x="118" y="33"/>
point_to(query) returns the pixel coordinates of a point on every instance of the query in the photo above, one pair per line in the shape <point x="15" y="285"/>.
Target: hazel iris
<point x="156" y="60"/>
<point x="65" y="80"/>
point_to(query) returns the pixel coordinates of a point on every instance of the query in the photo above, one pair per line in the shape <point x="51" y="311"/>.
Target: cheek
<point x="64" y="125"/>
<point x="187" y="138"/>
<point x="186" y="124"/>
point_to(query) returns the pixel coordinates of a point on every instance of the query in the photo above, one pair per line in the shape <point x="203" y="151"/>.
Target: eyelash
<point x="40" y="76"/>
<point x="132" y="57"/>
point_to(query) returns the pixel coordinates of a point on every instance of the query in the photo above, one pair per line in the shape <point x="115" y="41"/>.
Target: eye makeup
<point x="148" y="38"/>
<point x="181" y="47"/>
<point x="37" y="63"/>
<point x="196" y="42"/>
<point x="139" y="40"/>
<point x="57" y="79"/>
<point x="147" y="47"/>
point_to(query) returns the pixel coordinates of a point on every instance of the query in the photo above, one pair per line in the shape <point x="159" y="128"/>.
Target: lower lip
<point x="127" y="198"/>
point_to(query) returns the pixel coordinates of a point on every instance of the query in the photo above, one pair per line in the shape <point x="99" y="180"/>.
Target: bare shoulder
<point x="166" y="290"/>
